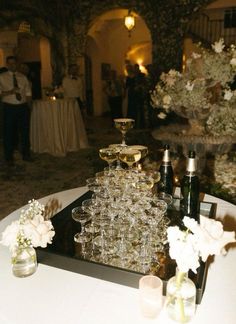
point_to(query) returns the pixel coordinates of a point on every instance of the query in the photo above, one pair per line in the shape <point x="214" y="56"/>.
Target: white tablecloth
<point x="57" y="127"/>
<point x="54" y="296"/>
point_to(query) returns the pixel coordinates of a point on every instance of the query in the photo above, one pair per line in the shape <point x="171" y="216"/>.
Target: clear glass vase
<point x="24" y="261"/>
<point x="181" y="298"/>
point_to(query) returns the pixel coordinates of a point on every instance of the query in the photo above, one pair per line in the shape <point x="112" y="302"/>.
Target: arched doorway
<point x="109" y="45"/>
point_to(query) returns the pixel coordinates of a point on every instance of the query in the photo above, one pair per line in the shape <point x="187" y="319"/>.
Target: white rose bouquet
<point x="31" y="230"/>
<point x="188" y="247"/>
<point x="198" y="241"/>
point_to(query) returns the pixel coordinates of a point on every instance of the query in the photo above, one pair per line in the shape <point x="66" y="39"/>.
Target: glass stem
<point x="82" y="229"/>
<point x="118" y="164"/>
<point x="83" y="249"/>
<point x="123" y="138"/>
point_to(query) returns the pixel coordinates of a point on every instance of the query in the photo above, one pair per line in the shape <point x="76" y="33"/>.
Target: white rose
<point x="182" y="249"/>
<point x="189" y="86"/>
<point x="173" y="233"/>
<point x="9" y="236"/>
<point x="170" y="80"/>
<point x="40" y="232"/>
<point x="37" y="219"/>
<point x="191" y="224"/>
<point x="46" y="234"/>
<point x="218" y="46"/>
<point x="212" y="238"/>
<point x="161" y="115"/>
<point x="166" y="100"/>
<point x="228" y="95"/>
<point x="196" y="55"/>
<point x="233" y="61"/>
<point x="30" y="231"/>
<point x="170" y="77"/>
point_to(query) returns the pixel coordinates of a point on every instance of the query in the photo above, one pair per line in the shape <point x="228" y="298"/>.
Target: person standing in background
<point x="2" y="70"/>
<point x="130" y="91"/>
<point x="114" y="92"/>
<point x="24" y="69"/>
<point x="73" y="87"/>
<point x="139" y="96"/>
<point x="15" y="92"/>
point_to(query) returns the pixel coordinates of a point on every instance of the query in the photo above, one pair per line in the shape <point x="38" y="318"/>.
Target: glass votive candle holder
<point x="150" y="296"/>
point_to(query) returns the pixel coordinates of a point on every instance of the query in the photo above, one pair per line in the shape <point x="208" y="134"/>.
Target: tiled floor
<point x="48" y="174"/>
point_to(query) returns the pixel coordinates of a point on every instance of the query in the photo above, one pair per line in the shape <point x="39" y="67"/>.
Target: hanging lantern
<point x="24" y="27"/>
<point x="129" y="22"/>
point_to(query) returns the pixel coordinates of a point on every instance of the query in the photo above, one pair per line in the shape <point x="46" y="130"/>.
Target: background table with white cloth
<point x="57" y="296"/>
<point x="57" y="127"/>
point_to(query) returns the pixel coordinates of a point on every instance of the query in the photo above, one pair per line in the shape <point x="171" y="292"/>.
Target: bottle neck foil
<point x="191" y="167"/>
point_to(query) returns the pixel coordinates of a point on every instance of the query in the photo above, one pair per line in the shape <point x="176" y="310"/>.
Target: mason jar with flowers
<point x="198" y="91"/>
<point x="22" y="236"/>
<point x="188" y="246"/>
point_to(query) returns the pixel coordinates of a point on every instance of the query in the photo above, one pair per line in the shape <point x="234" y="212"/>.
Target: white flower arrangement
<point x="196" y="92"/>
<point x="222" y="120"/>
<point x="222" y="167"/>
<point x="197" y="241"/>
<point x="188" y="246"/>
<point x="31" y="230"/>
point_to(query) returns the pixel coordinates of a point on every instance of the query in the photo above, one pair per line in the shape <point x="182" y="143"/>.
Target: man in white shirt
<point x="73" y="85"/>
<point x="15" y="92"/>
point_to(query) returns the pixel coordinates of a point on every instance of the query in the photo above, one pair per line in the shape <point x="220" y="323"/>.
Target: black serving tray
<point x="64" y="253"/>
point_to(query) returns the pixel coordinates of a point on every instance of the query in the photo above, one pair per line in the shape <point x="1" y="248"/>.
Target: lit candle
<point x="150" y="296"/>
<point x="176" y="180"/>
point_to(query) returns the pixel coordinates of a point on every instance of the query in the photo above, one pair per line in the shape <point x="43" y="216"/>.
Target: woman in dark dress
<point x="130" y="92"/>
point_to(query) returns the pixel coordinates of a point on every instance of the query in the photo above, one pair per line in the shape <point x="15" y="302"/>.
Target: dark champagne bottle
<point x="166" y="173"/>
<point x="189" y="202"/>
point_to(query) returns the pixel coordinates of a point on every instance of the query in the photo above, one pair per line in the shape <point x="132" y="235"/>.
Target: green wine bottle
<point x="189" y="201"/>
<point x="166" y="173"/>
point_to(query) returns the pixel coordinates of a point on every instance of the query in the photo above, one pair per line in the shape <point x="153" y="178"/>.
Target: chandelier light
<point x="24" y="27"/>
<point x="129" y="22"/>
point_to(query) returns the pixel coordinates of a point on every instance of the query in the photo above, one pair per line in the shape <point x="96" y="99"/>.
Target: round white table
<point x="55" y="296"/>
<point x="57" y="127"/>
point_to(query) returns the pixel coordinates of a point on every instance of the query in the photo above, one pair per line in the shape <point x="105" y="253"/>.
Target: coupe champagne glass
<point x="144" y="183"/>
<point x="155" y="175"/>
<point x="144" y="152"/>
<point x="118" y="147"/>
<point x="79" y="215"/>
<point x="109" y="155"/>
<point x="130" y="156"/>
<point x="143" y="149"/>
<point x="123" y="125"/>
<point x="91" y="207"/>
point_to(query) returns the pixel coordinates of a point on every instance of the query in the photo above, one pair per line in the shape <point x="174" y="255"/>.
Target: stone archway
<point x="111" y="43"/>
